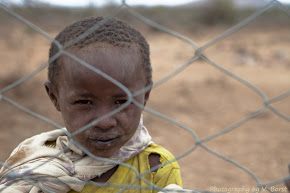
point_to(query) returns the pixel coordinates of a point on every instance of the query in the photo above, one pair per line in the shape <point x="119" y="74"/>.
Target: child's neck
<point x="106" y="176"/>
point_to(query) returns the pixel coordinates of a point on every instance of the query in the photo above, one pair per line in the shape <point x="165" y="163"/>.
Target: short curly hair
<point x="112" y="31"/>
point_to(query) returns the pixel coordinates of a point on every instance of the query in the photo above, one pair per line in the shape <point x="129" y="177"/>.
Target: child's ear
<point x="52" y="93"/>
<point x="146" y="97"/>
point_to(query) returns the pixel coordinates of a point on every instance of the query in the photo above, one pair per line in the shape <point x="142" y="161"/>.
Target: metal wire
<point x="197" y="142"/>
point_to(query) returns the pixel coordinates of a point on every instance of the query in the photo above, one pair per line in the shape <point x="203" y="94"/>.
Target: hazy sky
<point x="102" y="2"/>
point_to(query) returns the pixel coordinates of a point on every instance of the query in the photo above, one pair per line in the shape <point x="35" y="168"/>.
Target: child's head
<point x="83" y="96"/>
<point x="113" y="32"/>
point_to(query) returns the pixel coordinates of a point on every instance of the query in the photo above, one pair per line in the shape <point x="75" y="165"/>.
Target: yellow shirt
<point x="168" y="174"/>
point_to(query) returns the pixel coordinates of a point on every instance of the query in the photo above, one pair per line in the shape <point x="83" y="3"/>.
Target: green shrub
<point x="219" y="12"/>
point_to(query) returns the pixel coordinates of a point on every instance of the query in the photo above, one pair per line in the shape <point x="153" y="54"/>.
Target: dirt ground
<point x="200" y="97"/>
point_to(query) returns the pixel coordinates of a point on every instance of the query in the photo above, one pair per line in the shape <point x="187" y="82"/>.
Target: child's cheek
<point x="75" y="120"/>
<point x="130" y="116"/>
<point x="128" y="113"/>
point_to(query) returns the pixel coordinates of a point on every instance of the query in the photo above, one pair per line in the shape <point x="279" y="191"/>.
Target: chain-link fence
<point x="197" y="56"/>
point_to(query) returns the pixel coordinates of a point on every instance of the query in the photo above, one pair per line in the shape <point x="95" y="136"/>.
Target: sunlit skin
<point x="83" y="96"/>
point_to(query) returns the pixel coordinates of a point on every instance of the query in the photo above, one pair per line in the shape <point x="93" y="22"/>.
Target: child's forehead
<point x="116" y="62"/>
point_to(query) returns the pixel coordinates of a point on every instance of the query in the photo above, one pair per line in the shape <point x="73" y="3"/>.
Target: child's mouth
<point x="104" y="142"/>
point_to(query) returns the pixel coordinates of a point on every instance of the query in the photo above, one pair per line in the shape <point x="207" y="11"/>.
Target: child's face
<point x="83" y="96"/>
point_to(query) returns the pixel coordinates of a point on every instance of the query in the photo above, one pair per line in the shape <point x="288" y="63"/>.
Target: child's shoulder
<point x="165" y="155"/>
<point x="166" y="171"/>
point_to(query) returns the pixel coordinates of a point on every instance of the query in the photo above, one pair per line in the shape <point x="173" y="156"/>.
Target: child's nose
<point x="106" y="123"/>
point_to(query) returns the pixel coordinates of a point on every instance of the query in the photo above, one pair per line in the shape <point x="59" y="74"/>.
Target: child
<point x="99" y="116"/>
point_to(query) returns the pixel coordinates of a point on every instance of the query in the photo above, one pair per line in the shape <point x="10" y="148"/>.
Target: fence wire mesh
<point x="198" y="55"/>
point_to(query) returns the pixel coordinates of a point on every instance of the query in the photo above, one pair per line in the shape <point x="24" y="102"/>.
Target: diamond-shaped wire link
<point x="197" y="55"/>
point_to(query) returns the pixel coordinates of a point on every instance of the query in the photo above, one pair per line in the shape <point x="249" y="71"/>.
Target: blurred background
<point x="201" y="97"/>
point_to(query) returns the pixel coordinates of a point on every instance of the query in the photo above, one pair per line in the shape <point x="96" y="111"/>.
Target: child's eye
<point x="84" y="102"/>
<point x="120" y="102"/>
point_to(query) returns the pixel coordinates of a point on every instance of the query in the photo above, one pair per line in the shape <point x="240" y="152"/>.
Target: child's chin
<point x="104" y="153"/>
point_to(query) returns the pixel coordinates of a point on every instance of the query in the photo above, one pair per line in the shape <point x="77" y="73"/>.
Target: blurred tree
<point x="29" y="3"/>
<point x="219" y="11"/>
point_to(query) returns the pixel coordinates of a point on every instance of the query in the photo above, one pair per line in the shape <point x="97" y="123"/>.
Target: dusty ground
<point x="200" y="97"/>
